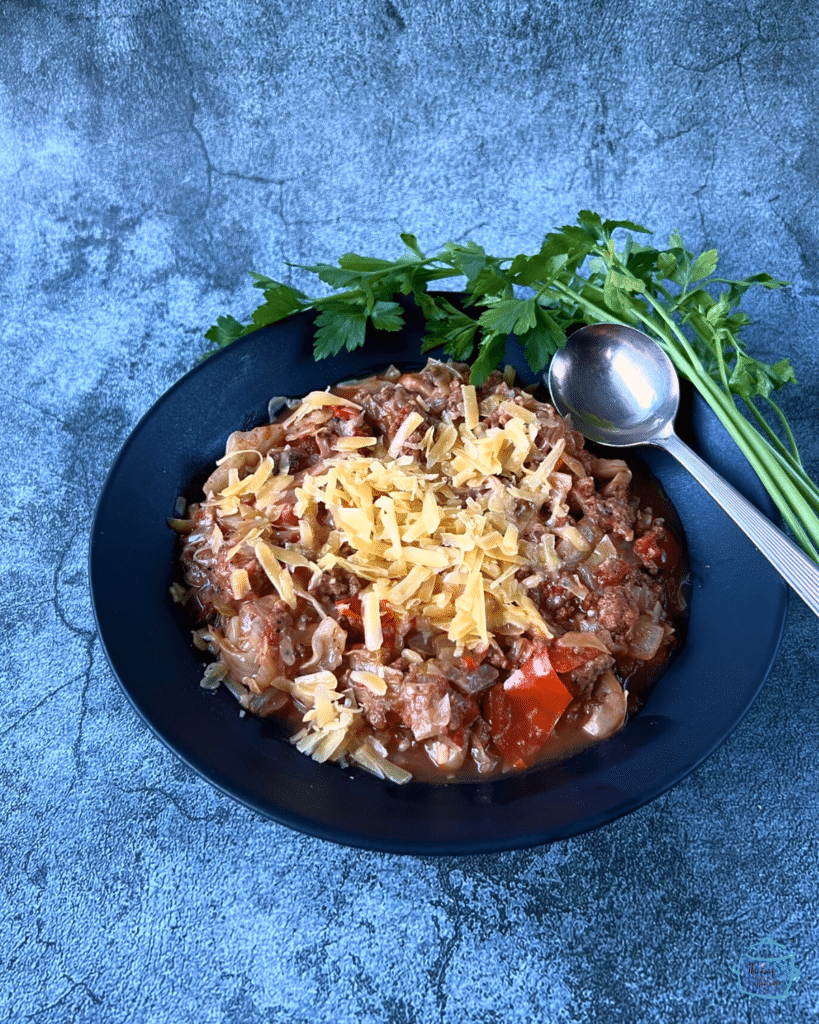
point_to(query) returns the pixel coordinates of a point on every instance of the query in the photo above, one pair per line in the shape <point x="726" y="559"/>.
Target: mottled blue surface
<point x="151" y="153"/>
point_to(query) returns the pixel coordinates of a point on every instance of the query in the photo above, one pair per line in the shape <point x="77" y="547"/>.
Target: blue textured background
<point x="151" y="153"/>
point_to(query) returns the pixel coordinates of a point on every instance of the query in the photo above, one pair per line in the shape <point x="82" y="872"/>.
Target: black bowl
<point x="737" y="614"/>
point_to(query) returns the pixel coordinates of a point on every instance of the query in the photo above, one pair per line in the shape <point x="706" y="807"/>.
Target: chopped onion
<point x="582" y="640"/>
<point x="574" y="465"/>
<point x="328" y="644"/>
<point x="286" y="650"/>
<point x="275" y="406"/>
<point x="574" y="586"/>
<point x="575" y="538"/>
<point x="646" y="638"/>
<point x="241" y="693"/>
<point x="478" y="681"/>
<point x="591" y="532"/>
<point x="445" y="753"/>
<point x="181" y="525"/>
<point x="605" y="710"/>
<point x="378" y="765"/>
<point x="200" y="637"/>
<point x="608" y="469"/>
<point x="301" y="592"/>
<point x="444" y="647"/>
<point x="586" y="574"/>
<point x="267" y="703"/>
<point x="547" y="553"/>
<point x="605" y="549"/>
<point x="645" y="601"/>
<point x="214" y="674"/>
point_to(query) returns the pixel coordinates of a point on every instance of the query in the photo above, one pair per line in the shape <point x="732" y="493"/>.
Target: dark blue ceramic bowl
<point x="737" y="615"/>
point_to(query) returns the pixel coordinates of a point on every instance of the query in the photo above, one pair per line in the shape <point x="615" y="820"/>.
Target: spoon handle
<point x="789" y="561"/>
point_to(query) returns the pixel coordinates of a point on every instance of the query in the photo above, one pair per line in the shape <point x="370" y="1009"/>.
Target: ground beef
<point x="614" y="515"/>
<point x="616" y="611"/>
<point x="648" y="548"/>
<point x="386" y="411"/>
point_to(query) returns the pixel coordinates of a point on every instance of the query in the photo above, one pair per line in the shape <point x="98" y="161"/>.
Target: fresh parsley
<point x="594" y="270"/>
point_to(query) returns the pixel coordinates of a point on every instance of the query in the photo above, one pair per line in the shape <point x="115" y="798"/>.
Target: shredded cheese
<point x="276" y="573"/>
<point x="401" y="524"/>
<point x="316" y="400"/>
<point x="375" y="684"/>
<point x="239" y="583"/>
<point x="425" y="517"/>
<point x="352" y="444"/>
<point x="471" y="413"/>
<point x="410" y="424"/>
<point x="371" y="620"/>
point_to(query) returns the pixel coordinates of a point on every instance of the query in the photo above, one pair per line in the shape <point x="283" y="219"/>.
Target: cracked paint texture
<point x="151" y="154"/>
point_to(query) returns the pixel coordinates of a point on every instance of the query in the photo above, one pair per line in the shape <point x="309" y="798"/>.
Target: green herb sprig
<point x="579" y="275"/>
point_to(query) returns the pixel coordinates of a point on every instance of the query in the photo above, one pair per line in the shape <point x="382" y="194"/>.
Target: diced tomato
<point x="472" y="660"/>
<point x="287" y="516"/>
<point x="612" y="572"/>
<point x="349" y="610"/>
<point x="567" y="659"/>
<point x="389" y="626"/>
<point x="523" y="710"/>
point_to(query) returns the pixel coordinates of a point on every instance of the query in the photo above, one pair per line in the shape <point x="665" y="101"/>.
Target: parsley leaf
<point x="339" y="325"/>
<point x="542" y="340"/>
<point x="489" y="356"/>
<point x="704" y="266"/>
<point x="751" y="378"/>
<point x="509" y="316"/>
<point x="387" y="316"/>
<point x="225" y="330"/>
<point x="280" y="302"/>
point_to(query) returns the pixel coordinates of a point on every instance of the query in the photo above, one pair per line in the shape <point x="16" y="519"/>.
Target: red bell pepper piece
<point x="345" y="412"/>
<point x="523" y="710"/>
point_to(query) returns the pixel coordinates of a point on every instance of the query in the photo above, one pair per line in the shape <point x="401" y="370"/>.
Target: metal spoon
<point x="621" y="389"/>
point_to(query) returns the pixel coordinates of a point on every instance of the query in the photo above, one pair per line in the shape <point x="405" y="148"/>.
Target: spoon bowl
<point x="619" y="388"/>
<point x="616" y="384"/>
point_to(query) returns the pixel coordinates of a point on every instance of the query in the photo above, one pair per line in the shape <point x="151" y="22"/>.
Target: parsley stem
<point x="791" y="464"/>
<point x="794" y="506"/>
<point x="787" y="428"/>
<point x="766" y="462"/>
<point x="772" y="438"/>
<point x="802" y="481"/>
<point x="721" y="364"/>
